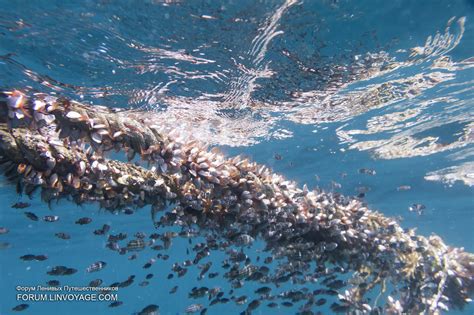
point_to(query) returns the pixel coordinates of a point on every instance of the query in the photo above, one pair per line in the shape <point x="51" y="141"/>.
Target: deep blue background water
<point x="89" y="51"/>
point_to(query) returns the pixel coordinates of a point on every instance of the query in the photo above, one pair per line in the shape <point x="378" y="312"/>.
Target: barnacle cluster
<point x="60" y="145"/>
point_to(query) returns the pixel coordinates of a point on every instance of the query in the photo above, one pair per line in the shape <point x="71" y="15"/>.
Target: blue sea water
<point x="316" y="90"/>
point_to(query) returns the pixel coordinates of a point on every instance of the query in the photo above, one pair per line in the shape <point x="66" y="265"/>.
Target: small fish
<point x="127" y="282"/>
<point x="132" y="257"/>
<point x="287" y="304"/>
<point x="50" y="218"/>
<point x="204" y="268"/>
<point x="194" y="308"/>
<point x="212" y="275"/>
<point x="61" y="271"/>
<point x="128" y="211"/>
<point x="268" y="260"/>
<point x="320" y="302"/>
<point x="41" y="257"/>
<point x="53" y="283"/>
<point x="62" y="236"/>
<point x="151" y="309"/>
<point x="117" y="237"/>
<point x="105" y="228"/>
<point x="417" y="207"/>
<point x="367" y="171"/>
<point x="115" y="304"/>
<point x="20" y="307"/>
<point x="113" y="246"/>
<point x="338" y="308"/>
<point x="28" y="257"/>
<point x="4" y="230"/>
<point x="278" y="157"/>
<point x="95" y="282"/>
<point x="21" y="205"/>
<point x="174" y="289"/>
<point x="253" y="305"/>
<point x="31" y="216"/>
<point x="241" y="300"/>
<point x="136" y="245"/>
<point x="97" y="266"/>
<point x="263" y="290"/>
<point x="140" y="235"/>
<point x="337" y="284"/>
<point x="149" y="276"/>
<point x="403" y="187"/>
<point x="272" y="305"/>
<point x="182" y="272"/>
<point x="83" y="221"/>
<point x="144" y="283"/>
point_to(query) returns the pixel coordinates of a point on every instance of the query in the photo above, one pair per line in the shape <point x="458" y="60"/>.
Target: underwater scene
<point x="237" y="157"/>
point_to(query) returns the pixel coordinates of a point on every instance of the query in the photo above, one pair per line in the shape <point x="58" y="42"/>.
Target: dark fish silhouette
<point x="50" y="218"/>
<point x="20" y="307"/>
<point x="95" y="283"/>
<point x="21" y="205"/>
<point x="61" y="271"/>
<point x="115" y="304"/>
<point x="97" y="266"/>
<point x="83" y="221"/>
<point x="31" y="216"/>
<point x="149" y="310"/>
<point x="63" y="236"/>
<point x="53" y="283"/>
